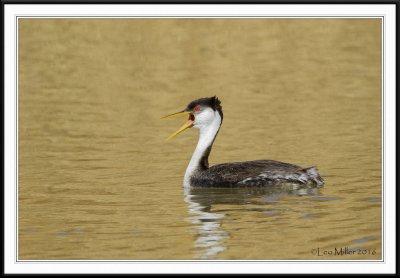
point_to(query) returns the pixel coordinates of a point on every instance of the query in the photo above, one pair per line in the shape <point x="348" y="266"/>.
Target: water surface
<point x="97" y="180"/>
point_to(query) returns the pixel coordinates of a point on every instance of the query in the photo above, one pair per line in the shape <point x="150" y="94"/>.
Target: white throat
<point x="207" y="133"/>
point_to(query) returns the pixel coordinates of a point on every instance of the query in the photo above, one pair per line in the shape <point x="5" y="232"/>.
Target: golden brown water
<point x="98" y="181"/>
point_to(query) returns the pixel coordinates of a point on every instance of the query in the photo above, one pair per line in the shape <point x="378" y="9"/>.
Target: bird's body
<point x="254" y="173"/>
<point x="206" y="115"/>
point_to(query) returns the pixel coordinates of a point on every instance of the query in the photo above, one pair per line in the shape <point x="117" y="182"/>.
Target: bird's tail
<point x="314" y="176"/>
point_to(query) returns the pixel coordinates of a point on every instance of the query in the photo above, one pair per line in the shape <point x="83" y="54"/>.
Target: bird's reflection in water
<point x="211" y="238"/>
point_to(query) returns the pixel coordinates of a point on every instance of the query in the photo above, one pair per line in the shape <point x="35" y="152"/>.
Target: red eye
<point x="196" y="108"/>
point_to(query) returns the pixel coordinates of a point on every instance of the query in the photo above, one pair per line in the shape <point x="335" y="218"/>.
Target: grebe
<point x="206" y="115"/>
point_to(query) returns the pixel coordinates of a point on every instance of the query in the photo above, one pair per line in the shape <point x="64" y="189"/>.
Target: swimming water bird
<point x="206" y="115"/>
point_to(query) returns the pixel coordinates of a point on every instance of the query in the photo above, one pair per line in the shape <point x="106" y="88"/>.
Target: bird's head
<point x="202" y="113"/>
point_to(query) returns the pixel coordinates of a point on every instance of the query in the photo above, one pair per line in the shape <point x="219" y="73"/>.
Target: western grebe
<point x="206" y="115"/>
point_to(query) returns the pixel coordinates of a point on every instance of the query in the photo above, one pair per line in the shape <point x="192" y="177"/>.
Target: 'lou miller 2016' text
<point x="342" y="252"/>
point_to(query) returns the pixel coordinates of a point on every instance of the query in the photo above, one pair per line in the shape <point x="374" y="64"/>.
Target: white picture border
<point x="385" y="11"/>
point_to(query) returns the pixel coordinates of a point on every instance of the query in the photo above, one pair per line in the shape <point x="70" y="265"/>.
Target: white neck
<point x="199" y="160"/>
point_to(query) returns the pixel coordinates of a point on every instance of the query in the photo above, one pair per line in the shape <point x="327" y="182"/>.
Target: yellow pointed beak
<point x="182" y="113"/>
<point x="187" y="125"/>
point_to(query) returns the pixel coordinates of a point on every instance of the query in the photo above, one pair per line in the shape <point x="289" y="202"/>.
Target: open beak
<point x="187" y="125"/>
